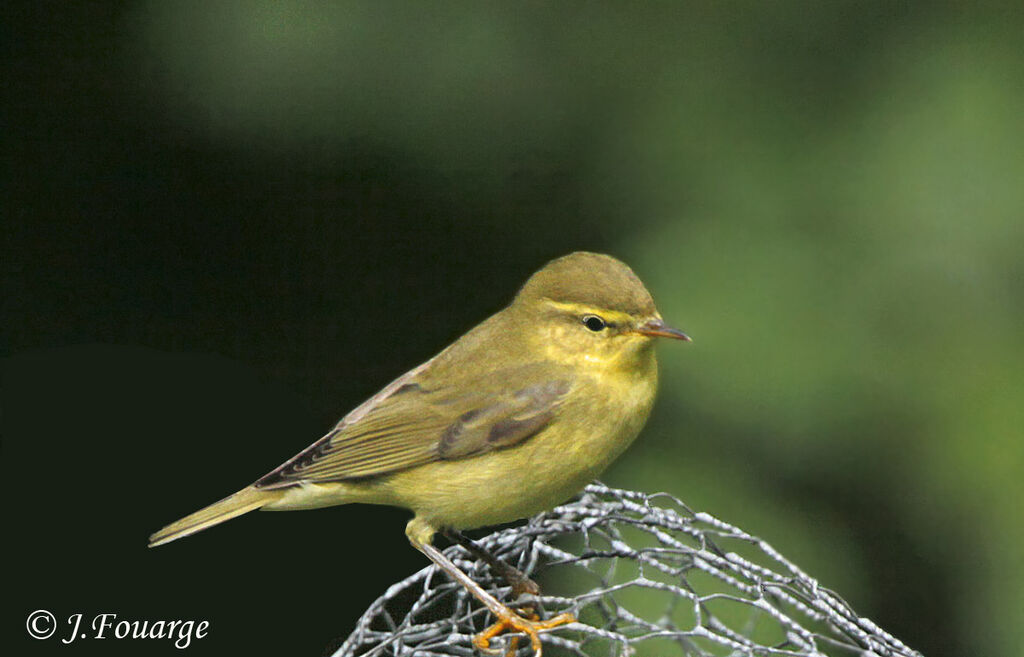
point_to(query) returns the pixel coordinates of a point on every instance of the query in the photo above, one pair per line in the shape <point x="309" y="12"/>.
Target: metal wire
<point x="645" y="575"/>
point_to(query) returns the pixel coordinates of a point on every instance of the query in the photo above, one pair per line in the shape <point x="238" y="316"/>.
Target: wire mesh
<point x="645" y="575"/>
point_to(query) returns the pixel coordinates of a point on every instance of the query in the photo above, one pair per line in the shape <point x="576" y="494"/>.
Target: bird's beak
<point x="657" y="328"/>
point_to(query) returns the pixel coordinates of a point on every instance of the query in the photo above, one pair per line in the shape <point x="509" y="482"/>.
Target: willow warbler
<point x="516" y="416"/>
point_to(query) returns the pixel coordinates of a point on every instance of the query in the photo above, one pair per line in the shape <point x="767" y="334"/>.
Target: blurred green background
<point x="308" y="198"/>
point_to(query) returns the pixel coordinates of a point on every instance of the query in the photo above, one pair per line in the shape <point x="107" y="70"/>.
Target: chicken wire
<point x="644" y="574"/>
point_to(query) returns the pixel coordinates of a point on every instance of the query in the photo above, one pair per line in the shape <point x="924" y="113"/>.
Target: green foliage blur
<point x="829" y="197"/>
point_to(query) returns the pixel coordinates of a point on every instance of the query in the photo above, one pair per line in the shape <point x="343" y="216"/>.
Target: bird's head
<point x="591" y="307"/>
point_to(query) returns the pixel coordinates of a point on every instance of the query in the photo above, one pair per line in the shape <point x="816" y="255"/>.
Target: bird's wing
<point x="415" y="421"/>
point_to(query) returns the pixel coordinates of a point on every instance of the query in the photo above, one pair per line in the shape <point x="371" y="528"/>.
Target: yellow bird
<point x="513" y="418"/>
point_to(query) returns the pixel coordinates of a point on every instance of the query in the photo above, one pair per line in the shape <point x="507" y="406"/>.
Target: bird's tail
<point x="244" y="501"/>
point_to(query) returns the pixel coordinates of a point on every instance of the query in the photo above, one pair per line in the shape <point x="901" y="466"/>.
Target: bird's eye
<point x="594" y="323"/>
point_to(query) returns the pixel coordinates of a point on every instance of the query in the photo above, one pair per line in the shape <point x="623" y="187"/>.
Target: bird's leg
<point x="420" y="535"/>
<point x="517" y="579"/>
<point x="508" y="619"/>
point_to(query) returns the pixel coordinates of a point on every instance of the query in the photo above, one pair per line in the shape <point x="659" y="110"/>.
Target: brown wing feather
<point x="292" y="471"/>
<point x="502" y="422"/>
<point x="409" y="424"/>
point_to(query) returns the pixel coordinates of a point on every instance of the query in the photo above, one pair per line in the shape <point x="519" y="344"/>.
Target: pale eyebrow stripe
<point x="614" y="316"/>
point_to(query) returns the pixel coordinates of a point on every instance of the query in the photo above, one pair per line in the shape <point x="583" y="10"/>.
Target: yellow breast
<point x="601" y="416"/>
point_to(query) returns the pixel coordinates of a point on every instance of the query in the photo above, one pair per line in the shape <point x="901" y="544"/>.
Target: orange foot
<point x="531" y="626"/>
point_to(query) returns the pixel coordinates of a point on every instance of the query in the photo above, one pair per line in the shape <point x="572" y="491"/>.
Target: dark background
<point x="225" y="225"/>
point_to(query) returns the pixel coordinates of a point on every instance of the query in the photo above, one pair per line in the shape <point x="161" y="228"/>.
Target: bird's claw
<point x="530" y="625"/>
